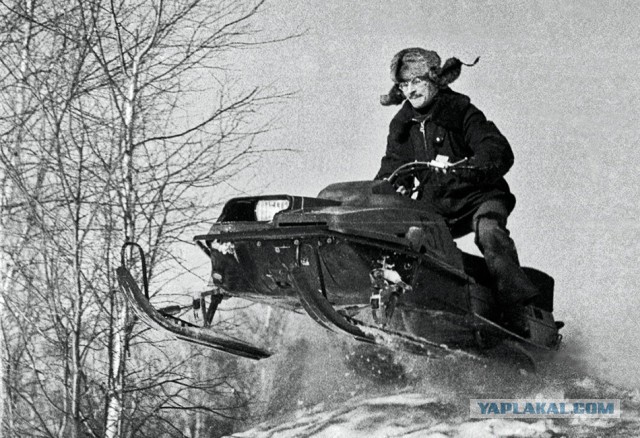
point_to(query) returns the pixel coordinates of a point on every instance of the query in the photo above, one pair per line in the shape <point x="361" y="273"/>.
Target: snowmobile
<point x="360" y="259"/>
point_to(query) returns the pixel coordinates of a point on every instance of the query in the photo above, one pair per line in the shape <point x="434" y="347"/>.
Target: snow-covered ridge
<point x="375" y="393"/>
<point x="417" y="415"/>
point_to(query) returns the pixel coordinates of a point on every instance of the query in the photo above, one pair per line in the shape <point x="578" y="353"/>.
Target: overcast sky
<point x="560" y="80"/>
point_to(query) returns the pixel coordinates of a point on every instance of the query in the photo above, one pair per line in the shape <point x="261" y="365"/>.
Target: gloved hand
<point x="471" y="172"/>
<point x="403" y="184"/>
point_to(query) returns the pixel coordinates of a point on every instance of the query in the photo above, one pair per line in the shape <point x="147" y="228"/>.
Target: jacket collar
<point x="447" y="110"/>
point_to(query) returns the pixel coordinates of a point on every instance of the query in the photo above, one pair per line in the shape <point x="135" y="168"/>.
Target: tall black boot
<point x="514" y="289"/>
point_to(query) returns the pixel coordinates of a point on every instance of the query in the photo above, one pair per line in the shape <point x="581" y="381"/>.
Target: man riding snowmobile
<point x="356" y="252"/>
<point x="437" y="124"/>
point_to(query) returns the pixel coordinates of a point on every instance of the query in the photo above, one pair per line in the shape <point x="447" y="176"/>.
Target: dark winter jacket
<point x="453" y="127"/>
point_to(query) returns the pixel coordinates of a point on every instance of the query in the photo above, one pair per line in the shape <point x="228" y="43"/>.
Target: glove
<point x="401" y="184"/>
<point x="475" y="174"/>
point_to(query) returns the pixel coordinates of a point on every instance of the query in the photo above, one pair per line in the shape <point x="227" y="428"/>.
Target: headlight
<point x="267" y="208"/>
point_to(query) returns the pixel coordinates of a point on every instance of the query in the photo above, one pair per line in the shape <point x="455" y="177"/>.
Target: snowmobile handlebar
<point x="433" y="165"/>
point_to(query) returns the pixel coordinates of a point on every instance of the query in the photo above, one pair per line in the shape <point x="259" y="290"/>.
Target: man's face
<point x="418" y="91"/>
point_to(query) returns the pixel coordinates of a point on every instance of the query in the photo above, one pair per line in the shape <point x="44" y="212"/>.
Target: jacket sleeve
<point x="397" y="153"/>
<point x="491" y="150"/>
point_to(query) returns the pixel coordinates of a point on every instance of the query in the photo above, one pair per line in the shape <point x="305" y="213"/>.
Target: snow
<point x="493" y="428"/>
<point x="358" y="399"/>
<point x="399" y="415"/>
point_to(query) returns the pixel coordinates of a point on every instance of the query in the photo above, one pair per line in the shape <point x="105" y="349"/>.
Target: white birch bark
<point x="9" y="241"/>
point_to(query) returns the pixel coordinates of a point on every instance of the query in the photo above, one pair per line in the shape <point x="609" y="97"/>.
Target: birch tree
<point x="124" y="143"/>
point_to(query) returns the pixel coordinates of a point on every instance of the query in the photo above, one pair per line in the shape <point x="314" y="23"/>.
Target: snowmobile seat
<point x="378" y="193"/>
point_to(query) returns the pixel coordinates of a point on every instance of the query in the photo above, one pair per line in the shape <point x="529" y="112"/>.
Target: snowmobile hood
<point x="368" y="209"/>
<point x="364" y="194"/>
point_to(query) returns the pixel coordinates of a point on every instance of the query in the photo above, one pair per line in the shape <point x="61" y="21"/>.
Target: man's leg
<point x="514" y="289"/>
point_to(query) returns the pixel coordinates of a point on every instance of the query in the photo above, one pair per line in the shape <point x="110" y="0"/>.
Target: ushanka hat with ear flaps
<point x="416" y="62"/>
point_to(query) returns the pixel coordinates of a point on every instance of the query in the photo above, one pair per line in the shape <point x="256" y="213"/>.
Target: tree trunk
<point x="118" y="362"/>
<point x="8" y="242"/>
<point x="116" y="402"/>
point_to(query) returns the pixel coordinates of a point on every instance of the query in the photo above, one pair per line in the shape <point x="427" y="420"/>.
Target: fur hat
<point x="417" y="62"/>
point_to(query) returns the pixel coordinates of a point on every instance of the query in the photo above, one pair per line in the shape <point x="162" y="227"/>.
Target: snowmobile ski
<point x="323" y="312"/>
<point x="179" y="328"/>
